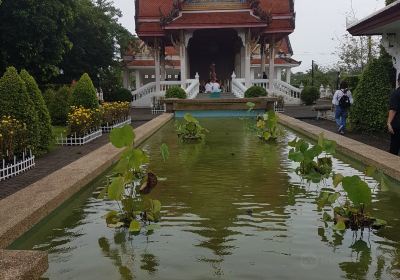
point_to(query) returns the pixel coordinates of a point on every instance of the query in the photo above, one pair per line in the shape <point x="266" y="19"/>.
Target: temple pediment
<point x="196" y="5"/>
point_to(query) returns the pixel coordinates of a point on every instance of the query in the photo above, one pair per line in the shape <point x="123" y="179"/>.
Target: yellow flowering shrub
<point x="114" y="112"/>
<point x="81" y="120"/>
<point x="13" y="138"/>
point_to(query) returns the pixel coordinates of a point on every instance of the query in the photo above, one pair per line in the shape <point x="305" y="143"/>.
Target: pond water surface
<point x="232" y="209"/>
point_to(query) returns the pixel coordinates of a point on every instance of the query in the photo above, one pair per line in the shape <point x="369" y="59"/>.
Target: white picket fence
<point x="107" y="128"/>
<point x="77" y="141"/>
<point x="8" y="170"/>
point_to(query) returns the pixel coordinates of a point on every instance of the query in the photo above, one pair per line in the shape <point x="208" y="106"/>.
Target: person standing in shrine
<point x="393" y="121"/>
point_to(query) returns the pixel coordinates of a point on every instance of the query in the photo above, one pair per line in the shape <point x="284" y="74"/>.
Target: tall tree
<point x="33" y="35"/>
<point x="355" y="52"/>
<point x="97" y="40"/>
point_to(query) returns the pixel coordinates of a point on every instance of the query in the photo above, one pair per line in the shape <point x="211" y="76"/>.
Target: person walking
<point x="393" y="122"/>
<point x="342" y="100"/>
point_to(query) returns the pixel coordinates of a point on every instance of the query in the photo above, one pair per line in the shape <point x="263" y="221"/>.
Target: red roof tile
<point x="216" y="20"/>
<point x="278" y="61"/>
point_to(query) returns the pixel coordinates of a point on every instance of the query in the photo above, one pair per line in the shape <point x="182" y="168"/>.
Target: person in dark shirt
<point x="393" y="121"/>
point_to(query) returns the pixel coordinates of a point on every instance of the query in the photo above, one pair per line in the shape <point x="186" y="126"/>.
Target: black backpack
<point x="344" y="101"/>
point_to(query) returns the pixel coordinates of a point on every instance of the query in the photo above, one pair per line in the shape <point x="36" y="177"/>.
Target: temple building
<point x="140" y="65"/>
<point x="385" y="22"/>
<point x="245" y="40"/>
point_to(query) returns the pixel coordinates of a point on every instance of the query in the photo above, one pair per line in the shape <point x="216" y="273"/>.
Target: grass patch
<point x="57" y="131"/>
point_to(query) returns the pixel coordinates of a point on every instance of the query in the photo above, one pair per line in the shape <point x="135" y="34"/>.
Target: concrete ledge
<point x="18" y="265"/>
<point x="388" y="163"/>
<point x="22" y="210"/>
<point x="261" y="103"/>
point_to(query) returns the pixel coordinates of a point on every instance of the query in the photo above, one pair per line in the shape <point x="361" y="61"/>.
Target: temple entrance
<point x="217" y="46"/>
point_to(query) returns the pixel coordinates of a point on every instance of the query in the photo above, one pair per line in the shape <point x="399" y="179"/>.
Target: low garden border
<point x="8" y="170"/>
<point x="77" y="141"/>
<point x="107" y="128"/>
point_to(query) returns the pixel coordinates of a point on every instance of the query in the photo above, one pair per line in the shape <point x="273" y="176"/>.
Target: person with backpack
<point x="342" y="100"/>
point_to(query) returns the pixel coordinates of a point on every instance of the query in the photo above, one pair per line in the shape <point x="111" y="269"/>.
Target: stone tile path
<point x="306" y="114"/>
<point x="63" y="156"/>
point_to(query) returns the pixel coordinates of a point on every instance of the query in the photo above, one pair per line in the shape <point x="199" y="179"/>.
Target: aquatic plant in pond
<point x="130" y="178"/>
<point x="315" y="163"/>
<point x="267" y="126"/>
<point x="190" y="129"/>
<point x="352" y="213"/>
<point x="356" y="193"/>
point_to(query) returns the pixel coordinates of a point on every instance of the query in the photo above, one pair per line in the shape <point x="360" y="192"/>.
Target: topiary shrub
<point x="120" y="94"/>
<point x="59" y="105"/>
<point x="45" y="132"/>
<point x="255" y="91"/>
<point x="84" y="93"/>
<point x="15" y="102"/>
<point x="371" y="98"/>
<point x="309" y="95"/>
<point x="175" y="92"/>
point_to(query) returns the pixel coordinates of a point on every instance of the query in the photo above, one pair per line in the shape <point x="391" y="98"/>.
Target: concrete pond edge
<point x="389" y="164"/>
<point x="27" y="207"/>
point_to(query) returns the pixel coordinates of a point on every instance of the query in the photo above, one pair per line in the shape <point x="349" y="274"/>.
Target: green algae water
<point x="233" y="208"/>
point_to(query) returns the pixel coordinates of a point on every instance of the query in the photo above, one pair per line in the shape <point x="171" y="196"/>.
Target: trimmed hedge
<point x="45" y="132"/>
<point x="59" y="105"/>
<point x="175" y="92"/>
<point x="120" y="94"/>
<point x="371" y="98"/>
<point x="309" y="95"/>
<point x="15" y="102"/>
<point x="84" y="93"/>
<point x="255" y="91"/>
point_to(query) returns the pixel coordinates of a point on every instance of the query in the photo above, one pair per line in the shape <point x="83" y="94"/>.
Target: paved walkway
<point x="306" y="114"/>
<point x="62" y="156"/>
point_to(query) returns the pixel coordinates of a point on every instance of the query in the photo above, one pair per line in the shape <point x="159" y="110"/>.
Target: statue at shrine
<point x="213" y="74"/>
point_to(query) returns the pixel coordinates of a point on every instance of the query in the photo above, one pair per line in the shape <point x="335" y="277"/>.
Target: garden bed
<point x="8" y="170"/>
<point x="74" y="140"/>
<point x="107" y="128"/>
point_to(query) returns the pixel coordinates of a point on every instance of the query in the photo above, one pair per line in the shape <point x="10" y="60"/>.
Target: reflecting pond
<point x="233" y="208"/>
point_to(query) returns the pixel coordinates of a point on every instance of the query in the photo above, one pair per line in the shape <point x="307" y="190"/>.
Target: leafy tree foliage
<point x="44" y="129"/>
<point x="322" y="76"/>
<point x="15" y="102"/>
<point x="84" y="93"/>
<point x="33" y="35"/>
<point x="369" y="111"/>
<point x="98" y="40"/>
<point x="355" y="52"/>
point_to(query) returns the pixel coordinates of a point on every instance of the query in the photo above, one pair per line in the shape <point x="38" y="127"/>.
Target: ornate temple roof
<point x="157" y="17"/>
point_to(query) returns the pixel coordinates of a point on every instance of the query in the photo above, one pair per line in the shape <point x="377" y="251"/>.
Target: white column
<point x="247" y="61"/>
<point x="279" y="74"/>
<point x="253" y="74"/>
<point x="157" y="65"/>
<point x="138" y="79"/>
<point x="288" y="75"/>
<point x="182" y="53"/>
<point x="125" y="81"/>
<point x="271" y="64"/>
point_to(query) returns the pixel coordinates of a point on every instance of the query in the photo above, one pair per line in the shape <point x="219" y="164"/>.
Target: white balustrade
<point x="146" y="95"/>
<point x="238" y="87"/>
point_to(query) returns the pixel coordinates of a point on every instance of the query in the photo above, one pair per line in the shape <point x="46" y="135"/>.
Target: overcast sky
<point x="318" y="25"/>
